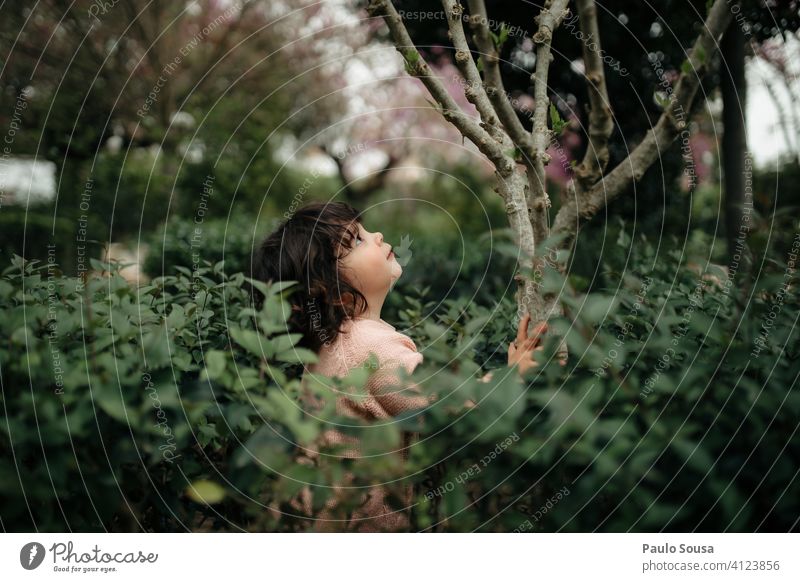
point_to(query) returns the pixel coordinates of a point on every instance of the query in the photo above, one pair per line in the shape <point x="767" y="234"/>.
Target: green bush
<point x="675" y="412"/>
<point x="480" y="267"/>
<point x="28" y="230"/>
<point x="108" y="421"/>
<point x="174" y="407"/>
<point x="184" y="242"/>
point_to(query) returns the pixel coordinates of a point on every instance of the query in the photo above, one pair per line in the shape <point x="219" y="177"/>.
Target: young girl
<point x="345" y="272"/>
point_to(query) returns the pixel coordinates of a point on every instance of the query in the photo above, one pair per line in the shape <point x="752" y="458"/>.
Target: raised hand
<point x="520" y="351"/>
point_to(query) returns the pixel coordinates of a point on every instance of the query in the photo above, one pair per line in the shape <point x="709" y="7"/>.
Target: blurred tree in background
<point x="142" y="102"/>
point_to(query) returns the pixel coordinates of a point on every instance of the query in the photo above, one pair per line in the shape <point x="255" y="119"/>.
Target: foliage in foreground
<point x="174" y="407"/>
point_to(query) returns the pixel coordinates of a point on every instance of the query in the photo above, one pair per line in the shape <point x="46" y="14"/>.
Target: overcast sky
<point x="766" y="138"/>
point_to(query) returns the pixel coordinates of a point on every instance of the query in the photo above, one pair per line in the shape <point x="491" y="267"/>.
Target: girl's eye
<point x="358" y="238"/>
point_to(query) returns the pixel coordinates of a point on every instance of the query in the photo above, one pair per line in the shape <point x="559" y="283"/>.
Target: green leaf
<point x="661" y="99"/>
<point x="700" y="55"/>
<point x="275" y="373"/>
<point x="476" y="324"/>
<point x="249" y="340"/>
<point x="545" y="247"/>
<point x="403" y="251"/>
<point x="176" y="318"/>
<point x="238" y="416"/>
<point x="269" y="290"/>
<point x="284" y="342"/>
<point x="297" y="356"/>
<point x="434" y="331"/>
<point x="553" y="281"/>
<point x="100" y="265"/>
<point x="555" y="118"/>
<point x="205" y="492"/>
<point x="275" y="311"/>
<point x="215" y="363"/>
<point x="278" y="407"/>
<point x="110" y="402"/>
<point x="597" y="307"/>
<point x="695" y="456"/>
<point x="623" y="240"/>
<point x="156" y="346"/>
<point x="207" y="433"/>
<point x="265" y="448"/>
<point x="503" y="35"/>
<point x="411" y="58"/>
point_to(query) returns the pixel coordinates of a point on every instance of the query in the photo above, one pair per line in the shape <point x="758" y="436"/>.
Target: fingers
<point x="527" y="355"/>
<point x="536" y="339"/>
<point x="524" y="324"/>
<point x="522" y="352"/>
<point x="540" y="329"/>
<point x="522" y="333"/>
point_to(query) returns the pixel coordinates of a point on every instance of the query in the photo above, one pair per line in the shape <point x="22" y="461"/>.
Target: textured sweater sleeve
<point x="385" y="395"/>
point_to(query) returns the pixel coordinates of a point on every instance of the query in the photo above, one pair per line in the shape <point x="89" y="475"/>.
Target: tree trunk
<point x="734" y="145"/>
<point x="500" y="136"/>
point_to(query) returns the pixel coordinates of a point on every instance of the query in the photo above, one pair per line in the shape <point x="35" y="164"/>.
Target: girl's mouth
<point x="391" y="255"/>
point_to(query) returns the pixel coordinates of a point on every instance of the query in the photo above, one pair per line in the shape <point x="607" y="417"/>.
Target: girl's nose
<point x="379" y="238"/>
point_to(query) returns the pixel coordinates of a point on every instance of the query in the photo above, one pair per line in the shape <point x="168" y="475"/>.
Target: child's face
<point x="370" y="266"/>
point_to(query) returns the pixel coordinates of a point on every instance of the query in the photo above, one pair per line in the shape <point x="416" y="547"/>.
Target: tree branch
<point x="552" y="14"/>
<point x="417" y="67"/>
<point x="532" y="146"/>
<point x="601" y="123"/>
<point x="479" y="22"/>
<point x="475" y="91"/>
<point x="672" y="121"/>
<point x="523" y="140"/>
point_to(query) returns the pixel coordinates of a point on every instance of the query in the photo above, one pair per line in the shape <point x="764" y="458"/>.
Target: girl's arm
<point x="385" y="396"/>
<point x="393" y="398"/>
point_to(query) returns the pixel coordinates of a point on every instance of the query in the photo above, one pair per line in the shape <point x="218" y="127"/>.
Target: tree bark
<point x="523" y="189"/>
<point x="734" y="139"/>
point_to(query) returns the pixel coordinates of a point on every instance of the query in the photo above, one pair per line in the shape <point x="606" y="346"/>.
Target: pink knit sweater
<point x="393" y="349"/>
<point x="382" y="398"/>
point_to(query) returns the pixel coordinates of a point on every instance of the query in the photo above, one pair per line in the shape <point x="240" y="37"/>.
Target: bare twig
<point x="601" y="123"/>
<point x="511" y="184"/>
<point x="493" y="80"/>
<point x="522" y="138"/>
<point x="666" y="130"/>
<point x="552" y="15"/>
<point x="417" y="66"/>
<point x="475" y="91"/>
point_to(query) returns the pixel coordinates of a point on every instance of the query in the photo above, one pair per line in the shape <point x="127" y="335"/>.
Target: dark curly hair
<point x="307" y="247"/>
